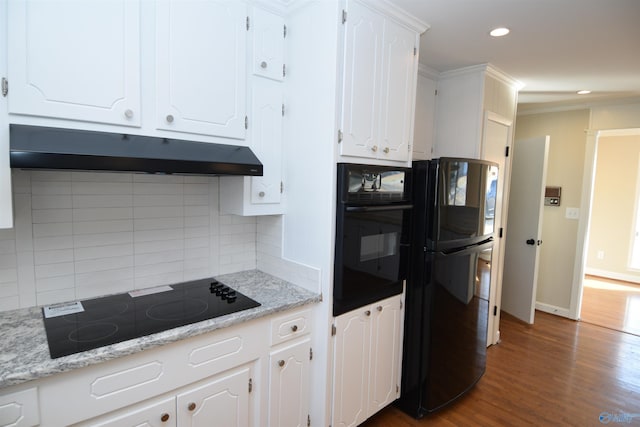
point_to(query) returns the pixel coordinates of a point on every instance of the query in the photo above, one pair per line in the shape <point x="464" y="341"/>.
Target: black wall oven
<point x="372" y="234"/>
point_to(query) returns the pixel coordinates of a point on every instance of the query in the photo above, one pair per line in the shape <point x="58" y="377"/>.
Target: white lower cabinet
<point x="367" y="355"/>
<point x="219" y="401"/>
<point x="223" y="401"/>
<point x="289" y="385"/>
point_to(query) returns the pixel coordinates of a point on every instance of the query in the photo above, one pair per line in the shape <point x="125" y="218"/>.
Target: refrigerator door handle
<point x="378" y="208"/>
<point x="467" y="247"/>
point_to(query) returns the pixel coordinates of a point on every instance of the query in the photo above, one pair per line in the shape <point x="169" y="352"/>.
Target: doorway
<point x="611" y="286"/>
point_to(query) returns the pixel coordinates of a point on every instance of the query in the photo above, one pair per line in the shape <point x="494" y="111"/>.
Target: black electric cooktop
<point x="121" y="317"/>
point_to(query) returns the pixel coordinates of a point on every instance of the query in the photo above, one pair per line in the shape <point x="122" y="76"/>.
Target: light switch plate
<point x="572" y="213"/>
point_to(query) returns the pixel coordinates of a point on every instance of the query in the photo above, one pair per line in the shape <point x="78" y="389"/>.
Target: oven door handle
<point x="378" y="208"/>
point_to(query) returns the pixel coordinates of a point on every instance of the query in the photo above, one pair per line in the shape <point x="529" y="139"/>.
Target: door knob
<point x="531" y="242"/>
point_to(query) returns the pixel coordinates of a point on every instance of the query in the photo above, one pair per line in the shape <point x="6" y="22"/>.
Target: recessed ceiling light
<point x="499" y="32"/>
<point x="583" y="92"/>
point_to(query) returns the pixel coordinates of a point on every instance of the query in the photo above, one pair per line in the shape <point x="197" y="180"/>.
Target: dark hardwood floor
<point x="553" y="373"/>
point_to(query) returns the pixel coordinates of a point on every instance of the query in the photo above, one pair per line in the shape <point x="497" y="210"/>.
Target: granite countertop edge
<point x="24" y="352"/>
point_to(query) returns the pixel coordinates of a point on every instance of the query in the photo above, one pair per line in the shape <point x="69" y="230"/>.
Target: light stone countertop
<point x="24" y="352"/>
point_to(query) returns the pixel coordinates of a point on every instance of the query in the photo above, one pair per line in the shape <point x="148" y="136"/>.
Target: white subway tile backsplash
<point x="47" y="284"/>
<point x="101" y="177"/>
<point x="103" y="264"/>
<point x="8" y="275"/>
<point x="140" y="212"/>
<point x="86" y="234"/>
<point x="100" y="252"/>
<point x="52" y="229"/>
<point x="55" y="296"/>
<point x="158" y="223"/>
<point x="52" y="243"/>
<point x="7" y="246"/>
<point x="159" y="257"/>
<point x="54" y="270"/>
<point x="106" y="226"/>
<point x="158" y="200"/>
<point x="91" y="188"/>
<point x="102" y="239"/>
<point x="52" y="256"/>
<point x="99" y="214"/>
<point x="44" y="216"/>
<point x="102" y="201"/>
<point x="42" y="201"/>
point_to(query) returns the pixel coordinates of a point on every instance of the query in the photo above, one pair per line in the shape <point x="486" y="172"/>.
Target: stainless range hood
<point x="34" y="147"/>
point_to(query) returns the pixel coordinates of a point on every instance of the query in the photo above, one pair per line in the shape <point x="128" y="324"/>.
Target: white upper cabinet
<point x="379" y="83"/>
<point x="201" y="67"/>
<point x="75" y="59"/>
<point x="361" y="91"/>
<point x="397" y="102"/>
<point x="268" y="46"/>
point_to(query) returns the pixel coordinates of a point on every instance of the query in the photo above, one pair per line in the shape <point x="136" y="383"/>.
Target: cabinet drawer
<point x="20" y="408"/>
<point x="289" y="326"/>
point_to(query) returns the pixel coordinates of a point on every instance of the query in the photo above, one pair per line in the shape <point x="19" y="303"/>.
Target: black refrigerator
<point x="447" y="299"/>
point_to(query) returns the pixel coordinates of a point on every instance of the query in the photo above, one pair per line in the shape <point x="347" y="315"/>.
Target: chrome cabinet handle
<point x="169" y="118"/>
<point x="368" y="312"/>
<point x="128" y="113"/>
<point x="386" y="150"/>
<point x="281" y="363"/>
<point x="374" y="148"/>
<point x="379" y="308"/>
<point x="261" y="194"/>
<point x="263" y="64"/>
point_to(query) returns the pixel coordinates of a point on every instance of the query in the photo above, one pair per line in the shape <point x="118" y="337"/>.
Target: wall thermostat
<point x="552" y="196"/>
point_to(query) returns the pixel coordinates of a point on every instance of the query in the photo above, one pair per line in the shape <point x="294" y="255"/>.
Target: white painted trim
<point x="619" y="132"/>
<point x="473" y="69"/>
<point x="500" y="75"/>
<point x="398" y="14"/>
<point x="584" y="223"/>
<point x="558" y="311"/>
<point x="428" y="72"/>
<point x="545" y="107"/>
<point x="612" y="275"/>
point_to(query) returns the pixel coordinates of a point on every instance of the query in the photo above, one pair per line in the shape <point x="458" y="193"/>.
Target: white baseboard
<point x="558" y="311"/>
<point x="613" y="275"/>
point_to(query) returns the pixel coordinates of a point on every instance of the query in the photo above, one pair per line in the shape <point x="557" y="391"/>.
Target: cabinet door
<point x="266" y="139"/>
<point x="397" y="100"/>
<point x="201" y="67"/>
<point x="156" y="414"/>
<point x="289" y="385"/>
<point x="385" y="353"/>
<point x="361" y="90"/>
<point x="268" y="44"/>
<point x="351" y="367"/>
<point x="223" y="402"/>
<point x="75" y="59"/>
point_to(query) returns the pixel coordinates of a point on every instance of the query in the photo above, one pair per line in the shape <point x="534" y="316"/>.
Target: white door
<point x="495" y="142"/>
<point x="75" y="59"/>
<point x="201" y="67"/>
<point x="524" y="227"/>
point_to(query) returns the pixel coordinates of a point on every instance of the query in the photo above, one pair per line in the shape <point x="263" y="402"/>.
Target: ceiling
<point x="555" y="48"/>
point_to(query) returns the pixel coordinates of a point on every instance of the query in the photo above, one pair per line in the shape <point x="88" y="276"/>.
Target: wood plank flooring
<point x="611" y="303"/>
<point x="556" y="372"/>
